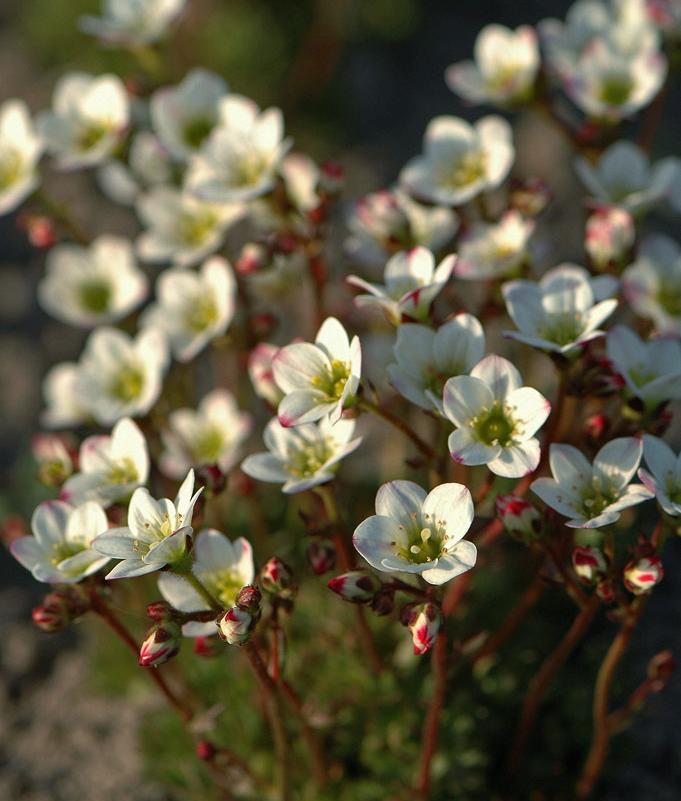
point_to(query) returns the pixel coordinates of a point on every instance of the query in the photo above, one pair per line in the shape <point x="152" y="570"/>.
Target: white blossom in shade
<point x="156" y="534"/>
<point x="609" y="237"/>
<point x="111" y="466"/>
<point x="412" y="283"/>
<point x="20" y="150"/>
<point x="651" y="370"/>
<point x="652" y="284"/>
<point x="184" y="115"/>
<point x="64" y="407"/>
<point x="211" y="434"/>
<point x="504" y="69"/>
<point x="132" y="22"/>
<point x="261" y="373"/>
<point x="120" y="376"/>
<point x="496" y="418"/>
<point x="560" y="312"/>
<point x="318" y="378"/>
<point x="89" y="115"/>
<point x="88" y="286"/>
<point x="222" y="566"/>
<point x="385" y="222"/>
<point x="149" y="164"/>
<point x="60" y="550"/>
<point x="494" y="250"/>
<point x="193" y="308"/>
<point x="663" y="474"/>
<point x="181" y="228"/>
<point x="625" y="177"/>
<point x="593" y="495"/>
<point x="239" y="160"/>
<point x="427" y="358"/>
<point x="302" y="457"/>
<point x="459" y="160"/>
<point x="418" y="532"/>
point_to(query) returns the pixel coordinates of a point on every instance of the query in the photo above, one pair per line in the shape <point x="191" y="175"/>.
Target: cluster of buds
<point x="60" y="608"/>
<point x="161" y="643"/>
<point x="237" y="624"/>
<point x="321" y="554"/>
<point x="276" y="578"/>
<point x="520" y="518"/>
<point x="423" y="621"/>
<point x="609" y="238"/>
<point x="55" y="456"/>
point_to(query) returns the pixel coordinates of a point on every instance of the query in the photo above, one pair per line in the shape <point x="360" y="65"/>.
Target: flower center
<point x="95" y="296"/>
<point x="201" y="314"/>
<point x="249" y="169"/>
<point x="91" y="135"/>
<point x="196" y="130"/>
<point x="127" y="384"/>
<point x="123" y="472"/>
<point x="562" y="328"/>
<point x="466" y="170"/>
<point x="65" y="550"/>
<point x="10" y="168"/>
<point x="425" y="540"/>
<point x="673" y="489"/>
<point x="642" y="375"/>
<point x="307" y="459"/>
<point x="209" y="445"/>
<point x="494" y="426"/>
<point x="196" y="228"/>
<point x="333" y="380"/>
<point x="615" y="90"/>
<point x="669" y="297"/>
<point x="224" y="584"/>
<point x="596" y="496"/>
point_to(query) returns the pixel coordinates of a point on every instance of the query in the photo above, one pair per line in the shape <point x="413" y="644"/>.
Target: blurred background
<point x="358" y="81"/>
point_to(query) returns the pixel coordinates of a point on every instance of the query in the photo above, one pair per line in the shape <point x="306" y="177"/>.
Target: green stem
<point x="203" y="591"/>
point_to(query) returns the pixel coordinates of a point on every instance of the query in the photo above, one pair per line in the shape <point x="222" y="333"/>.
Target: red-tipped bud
<point x="331" y="177"/>
<point x="355" y="586"/>
<point x="161" y="643"/>
<point x="159" y="611"/>
<point x="423" y="620"/>
<point x="253" y="257"/>
<point x="236" y="625"/>
<point x="276" y="578"/>
<point x="596" y="426"/>
<point x="641" y="575"/>
<point x="321" y="555"/>
<point x="589" y="563"/>
<point x="39" y="229"/>
<point x="206" y="646"/>
<point x="205" y="750"/>
<point x="249" y="598"/>
<point x="212" y="478"/>
<point x="519" y="517"/>
<point x="60" y="608"/>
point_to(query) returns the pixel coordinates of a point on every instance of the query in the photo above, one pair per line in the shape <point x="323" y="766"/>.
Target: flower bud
<point x="52" y="453"/>
<point x="161" y="643"/>
<point x="642" y="574"/>
<point x="530" y="196"/>
<point x="589" y="563"/>
<point x="596" y="427"/>
<point x="261" y="374"/>
<point x="206" y="646"/>
<point x="213" y="479"/>
<point x="423" y="620"/>
<point x="249" y="598"/>
<point x="321" y="555"/>
<point x="253" y="257"/>
<point x="39" y="229"/>
<point x="264" y="324"/>
<point x="331" y="177"/>
<point x="52" y="615"/>
<point x="236" y="625"/>
<point x="159" y="611"/>
<point x="355" y="586"/>
<point x="205" y="750"/>
<point x="276" y="578"/>
<point x="610" y="235"/>
<point x="520" y="518"/>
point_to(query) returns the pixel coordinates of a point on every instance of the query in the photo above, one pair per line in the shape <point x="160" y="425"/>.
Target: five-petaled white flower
<point x="20" y="150"/>
<point x="663" y="476"/>
<point x="60" y="550"/>
<point x="651" y="370"/>
<point x="238" y="161"/>
<point x="110" y="466"/>
<point x="504" y="70"/>
<point x="91" y="285"/>
<point x="560" y="312"/>
<point x="119" y="376"/>
<point x="211" y="434"/>
<point x="132" y="22"/>
<point x="156" y="534"/>
<point x="89" y="115"/>
<point x="193" y="308"/>
<point x="494" y="250"/>
<point x="318" y="378"/>
<point x="411" y="284"/>
<point x="496" y="418"/>
<point x="427" y="358"/>
<point x="64" y="406"/>
<point x="304" y="456"/>
<point x="418" y="532"/>
<point x="593" y="495"/>
<point x="460" y="160"/>
<point x="652" y="284"/>
<point x="222" y="566"/>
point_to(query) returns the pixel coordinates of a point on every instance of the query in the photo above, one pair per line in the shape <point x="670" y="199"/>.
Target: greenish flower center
<point x="562" y="328"/>
<point x="597" y="496"/>
<point x="127" y="384"/>
<point x="333" y="380"/>
<point x="223" y="584"/>
<point x="91" y="135"/>
<point x="196" y="228"/>
<point x="468" y="169"/>
<point x="209" y="445"/>
<point x="494" y="426"/>
<point x="669" y="298"/>
<point x="642" y="375"/>
<point x="249" y="170"/>
<point x="201" y="314"/>
<point x="123" y="472"/>
<point x="615" y="90"/>
<point x="10" y="169"/>
<point x="308" y="458"/>
<point x="196" y="130"/>
<point x="65" y="550"/>
<point x="425" y="540"/>
<point x="95" y="296"/>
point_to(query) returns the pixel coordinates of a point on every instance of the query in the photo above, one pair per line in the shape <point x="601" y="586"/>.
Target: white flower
<point x="238" y="161"/>
<point x="388" y="221"/>
<point x="593" y="495"/>
<point x="60" y="550"/>
<point x="460" y="160"/>
<point x="304" y="456"/>
<point x="110" y="467"/>
<point x="156" y="534"/>
<point x="261" y="373"/>
<point x="211" y="434"/>
<point x="411" y="284"/>
<point x="132" y="22"/>
<point x="119" y="376"/>
<point x="610" y="234"/>
<point x="148" y="165"/>
<point x="415" y="532"/>
<point x="663" y="477"/>
<point x="20" y="150"/>
<point x="184" y="115"/>
<point x="625" y="177"/>
<point x="427" y="358"/>
<point x="181" y="228"/>
<point x="496" y="418"/>
<point x="88" y="117"/>
<point x="318" y="379"/>
<point x="64" y="406"/>
<point x="193" y="308"/>
<point x="652" y="284"/>
<point x="91" y="285"/>
<point x="560" y="312"/>
<point x="493" y="250"/>
<point x="504" y="70"/>
<point x="222" y="566"/>
<point x="651" y="370"/>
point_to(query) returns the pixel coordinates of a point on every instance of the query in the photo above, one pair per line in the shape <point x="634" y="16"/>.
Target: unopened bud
<point x="423" y="620"/>
<point x="610" y="235"/>
<point x="236" y="625"/>
<point x="520" y="518"/>
<point x="206" y="646"/>
<point x="161" y="643"/>
<point x="641" y="575"/>
<point x="355" y="586"/>
<point x="331" y="177"/>
<point x="589" y="563"/>
<point x="39" y="229"/>
<point x="253" y="257"/>
<point x="263" y="324"/>
<point x="321" y="555"/>
<point x="60" y="608"/>
<point x="205" y="750"/>
<point x="249" y="598"/>
<point x="276" y="578"/>
<point x="52" y="453"/>
<point x="212" y="478"/>
<point x="160" y="610"/>
<point x="596" y="426"/>
<point x="530" y="196"/>
<point x="261" y="374"/>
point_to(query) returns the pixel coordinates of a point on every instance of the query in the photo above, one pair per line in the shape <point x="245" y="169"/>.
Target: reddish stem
<point x="431" y="725"/>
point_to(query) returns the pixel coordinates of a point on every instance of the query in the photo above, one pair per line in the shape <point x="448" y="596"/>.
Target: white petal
<point x="400" y="500"/>
<point x="452" y="506"/>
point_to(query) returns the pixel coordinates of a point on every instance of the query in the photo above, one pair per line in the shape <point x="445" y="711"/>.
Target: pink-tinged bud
<point x="159" y="611"/>
<point x="261" y="374"/>
<point x="276" y="577"/>
<point x="253" y="257"/>
<point x="213" y="479"/>
<point x="589" y="563"/>
<point x="249" y="598"/>
<point x="331" y="177"/>
<point x="610" y="235"/>
<point x="322" y="556"/>
<point x="54" y="455"/>
<point x="52" y="615"/>
<point x="236" y="625"/>
<point x="206" y="646"/>
<point x="660" y="669"/>
<point x="355" y="586"/>
<point x="596" y="427"/>
<point x="641" y="575"/>
<point x="205" y="750"/>
<point x="530" y="196"/>
<point x="519" y="517"/>
<point x="423" y="620"/>
<point x="39" y="229"/>
<point x="161" y="643"/>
